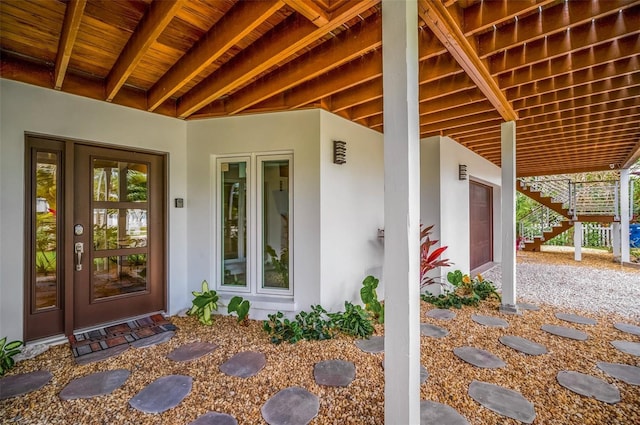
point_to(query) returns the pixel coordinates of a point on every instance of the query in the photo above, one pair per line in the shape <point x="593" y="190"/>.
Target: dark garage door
<point x="481" y="224"/>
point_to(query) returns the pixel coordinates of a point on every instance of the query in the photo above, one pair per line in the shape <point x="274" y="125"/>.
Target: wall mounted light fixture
<point x="462" y="172"/>
<point x="339" y="152"/>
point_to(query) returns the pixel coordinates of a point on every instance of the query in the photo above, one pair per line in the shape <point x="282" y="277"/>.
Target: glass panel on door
<point x="275" y="224"/>
<point x="233" y="186"/>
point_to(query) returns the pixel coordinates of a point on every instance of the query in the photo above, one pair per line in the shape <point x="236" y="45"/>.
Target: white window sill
<point x="262" y="302"/>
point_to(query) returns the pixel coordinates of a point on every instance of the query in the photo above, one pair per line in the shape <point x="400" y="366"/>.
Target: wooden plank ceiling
<point x="568" y="71"/>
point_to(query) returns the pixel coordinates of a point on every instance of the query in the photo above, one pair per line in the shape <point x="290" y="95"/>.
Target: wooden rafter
<point x="310" y="10"/>
<point x="156" y="19"/>
<point x="444" y="27"/>
<point x="262" y="55"/>
<point x="485" y="14"/>
<point x="70" y="27"/>
<point x="243" y="18"/>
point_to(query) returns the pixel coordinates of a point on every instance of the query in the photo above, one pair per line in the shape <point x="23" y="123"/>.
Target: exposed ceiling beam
<point x="310" y="10"/>
<point x="357" y="95"/>
<point x="483" y="15"/>
<point x="633" y="156"/>
<point x="243" y="18"/>
<point x="70" y="26"/>
<point x="158" y="16"/>
<point x="263" y="54"/>
<point x="437" y="17"/>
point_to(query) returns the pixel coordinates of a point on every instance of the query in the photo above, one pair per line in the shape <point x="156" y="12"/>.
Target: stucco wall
<point x="25" y="108"/>
<point x="352" y="211"/>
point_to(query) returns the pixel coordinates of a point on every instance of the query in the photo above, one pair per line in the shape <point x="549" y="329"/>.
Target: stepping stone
<point x="478" y="357"/>
<point x="441" y="313"/>
<point x="574" y="318"/>
<point x="244" y="365"/>
<point x="94" y="385"/>
<point x="23" y="383"/>
<point x="101" y="355"/>
<point x="490" y="321"/>
<point x="162" y="394"/>
<point x="30" y="352"/>
<point x="565" y="332"/>
<point x="589" y="386"/>
<point x="503" y="401"/>
<point x="433" y="330"/>
<point x="527" y="306"/>
<point x="624" y="372"/>
<point x="375" y="344"/>
<point x="152" y="340"/>
<point x="628" y="328"/>
<point x="432" y="413"/>
<point x="334" y="373"/>
<point x="424" y="374"/>
<point x="291" y="406"/>
<point x="628" y="347"/>
<point x="191" y="351"/>
<point x="523" y="345"/>
<point x="215" y="418"/>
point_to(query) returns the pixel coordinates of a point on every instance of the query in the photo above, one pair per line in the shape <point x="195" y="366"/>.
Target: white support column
<point x="624" y="216"/>
<point x="615" y="240"/>
<point x="401" y="211"/>
<point x="508" y="195"/>
<point x="577" y="241"/>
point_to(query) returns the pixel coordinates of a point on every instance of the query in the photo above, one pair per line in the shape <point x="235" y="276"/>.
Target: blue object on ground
<point x="634" y="235"/>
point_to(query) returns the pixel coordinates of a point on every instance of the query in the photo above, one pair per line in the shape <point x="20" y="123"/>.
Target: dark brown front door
<point x="95" y="235"/>
<point x="118" y="243"/>
<point x="481" y="224"/>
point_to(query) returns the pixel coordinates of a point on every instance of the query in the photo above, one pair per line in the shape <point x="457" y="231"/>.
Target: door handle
<point x="79" y="249"/>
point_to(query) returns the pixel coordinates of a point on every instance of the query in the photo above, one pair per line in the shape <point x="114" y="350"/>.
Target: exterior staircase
<point x="561" y="202"/>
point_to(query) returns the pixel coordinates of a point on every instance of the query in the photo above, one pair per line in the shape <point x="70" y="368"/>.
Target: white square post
<point x="615" y="240"/>
<point x="508" y="198"/>
<point x="401" y="211"/>
<point x="577" y="241"/>
<point x="624" y="216"/>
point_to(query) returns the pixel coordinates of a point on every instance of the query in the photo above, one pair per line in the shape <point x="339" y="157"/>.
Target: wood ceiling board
<point x="70" y="27"/>
<point x="448" y="127"/>
<point x="442" y="24"/>
<point x="203" y="14"/>
<point x="357" y="94"/>
<point x="445" y="86"/>
<point x="484" y="15"/>
<point x="632" y="156"/>
<point x="434" y="69"/>
<point x="242" y="19"/>
<point x="584" y="59"/>
<point x="452" y="114"/>
<point x="310" y="10"/>
<point x="269" y="50"/>
<point x="120" y="15"/>
<point x="366" y="110"/>
<point x="551" y="20"/>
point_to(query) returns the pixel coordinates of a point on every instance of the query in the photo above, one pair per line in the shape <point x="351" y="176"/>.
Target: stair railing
<point x="541" y="219"/>
<point x="596" y="198"/>
<point x="559" y="190"/>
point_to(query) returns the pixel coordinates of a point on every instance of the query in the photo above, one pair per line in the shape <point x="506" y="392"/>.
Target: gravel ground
<point x="363" y="401"/>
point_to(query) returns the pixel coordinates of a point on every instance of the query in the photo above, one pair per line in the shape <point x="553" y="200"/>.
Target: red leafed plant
<point x="430" y="260"/>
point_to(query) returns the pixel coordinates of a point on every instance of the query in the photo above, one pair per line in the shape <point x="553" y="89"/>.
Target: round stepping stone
<point x="424" y="374"/>
<point x="334" y="373"/>
<point x="589" y="386"/>
<point x="94" y="385"/>
<point x="375" y="344"/>
<point x="478" y="357"/>
<point x="433" y="330"/>
<point x="490" y="321"/>
<point x="432" y="413"/>
<point x="244" y="365"/>
<point x="523" y="345"/>
<point x="441" y="314"/>
<point x="162" y="394"/>
<point x="503" y="401"/>
<point x="291" y="406"/>
<point x="624" y="372"/>
<point x="565" y="332"/>
<point x="101" y="355"/>
<point x="574" y="318"/>
<point x="527" y="306"/>
<point x="215" y="418"/>
<point x="191" y="351"/>
<point x="152" y="340"/>
<point x="628" y="328"/>
<point x="23" y="383"/>
<point x="628" y="347"/>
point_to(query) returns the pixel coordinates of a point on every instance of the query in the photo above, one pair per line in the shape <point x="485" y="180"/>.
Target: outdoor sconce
<point x="339" y="152"/>
<point x="462" y="172"/>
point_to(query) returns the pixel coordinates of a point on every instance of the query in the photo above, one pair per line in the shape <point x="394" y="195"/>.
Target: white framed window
<point x="253" y="240"/>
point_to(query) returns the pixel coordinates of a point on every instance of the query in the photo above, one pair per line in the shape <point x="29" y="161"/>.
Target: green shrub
<point x="369" y="297"/>
<point x="240" y="306"/>
<point x="7" y="351"/>
<point x="466" y="291"/>
<point x="204" y="303"/>
<point x="353" y="321"/>
<point x="313" y="325"/>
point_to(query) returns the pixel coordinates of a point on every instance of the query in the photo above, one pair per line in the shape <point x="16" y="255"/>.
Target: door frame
<point x="67" y="295"/>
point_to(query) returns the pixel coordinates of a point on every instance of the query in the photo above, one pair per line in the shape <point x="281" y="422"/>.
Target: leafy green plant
<point x="466" y="291"/>
<point x="7" y="351"/>
<point x="369" y="297"/>
<point x="353" y="321"/>
<point x="429" y="260"/>
<point x="204" y="303"/>
<point x="313" y="325"/>
<point x="241" y="307"/>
